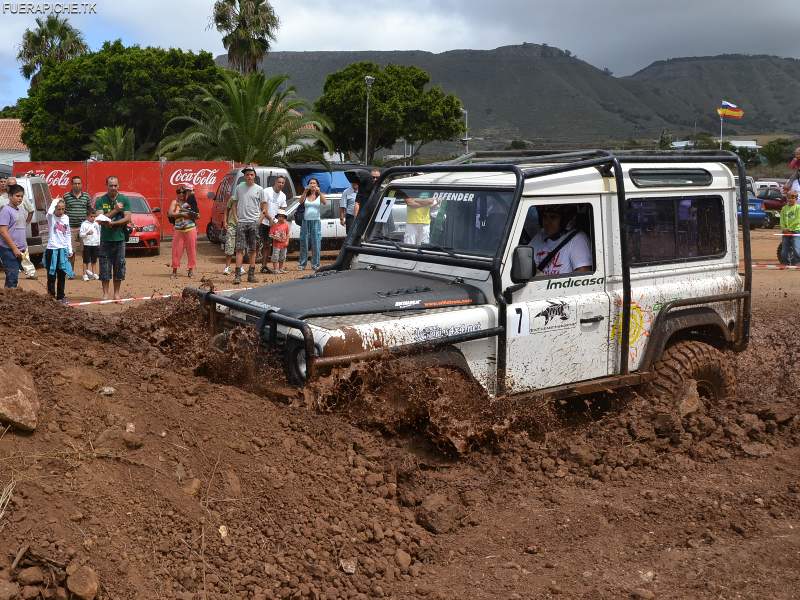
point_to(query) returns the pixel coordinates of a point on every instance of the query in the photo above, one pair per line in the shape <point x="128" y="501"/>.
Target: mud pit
<point x="174" y="485"/>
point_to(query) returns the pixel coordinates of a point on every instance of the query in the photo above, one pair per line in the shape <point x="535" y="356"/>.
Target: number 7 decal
<point x="518" y="322"/>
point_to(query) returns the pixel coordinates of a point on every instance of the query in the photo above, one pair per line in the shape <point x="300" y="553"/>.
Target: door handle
<point x="596" y="319"/>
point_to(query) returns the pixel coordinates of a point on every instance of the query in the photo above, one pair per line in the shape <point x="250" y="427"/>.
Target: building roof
<point x="11" y="135"/>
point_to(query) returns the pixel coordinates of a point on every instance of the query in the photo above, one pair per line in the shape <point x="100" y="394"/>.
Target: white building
<point x="11" y="146"/>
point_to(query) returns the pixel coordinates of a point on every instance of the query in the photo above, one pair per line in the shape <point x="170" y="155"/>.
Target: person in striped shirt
<point x="78" y="204"/>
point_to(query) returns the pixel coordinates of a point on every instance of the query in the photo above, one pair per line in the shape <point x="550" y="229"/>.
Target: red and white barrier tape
<point x="776" y="267"/>
<point x="153" y="297"/>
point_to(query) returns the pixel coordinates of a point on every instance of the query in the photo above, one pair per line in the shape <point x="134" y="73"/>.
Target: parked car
<point x="758" y="216"/>
<point x="768" y="184"/>
<point x="146" y="231"/>
<point x="265" y="176"/>
<point x="773" y="198"/>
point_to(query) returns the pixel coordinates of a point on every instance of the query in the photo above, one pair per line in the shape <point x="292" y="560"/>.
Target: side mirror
<point x="210" y="195"/>
<point x="522" y="266"/>
<point x="156" y="209"/>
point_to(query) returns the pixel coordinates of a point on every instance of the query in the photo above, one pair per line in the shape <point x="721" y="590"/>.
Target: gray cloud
<point x="623" y="35"/>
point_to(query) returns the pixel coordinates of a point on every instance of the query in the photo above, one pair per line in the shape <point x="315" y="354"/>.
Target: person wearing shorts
<point x="418" y="219"/>
<point x="279" y="233"/>
<point x="116" y="211"/>
<point x="229" y="225"/>
<point x="249" y="198"/>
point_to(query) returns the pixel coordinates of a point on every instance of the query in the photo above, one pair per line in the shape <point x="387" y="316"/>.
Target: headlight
<point x="148" y="228"/>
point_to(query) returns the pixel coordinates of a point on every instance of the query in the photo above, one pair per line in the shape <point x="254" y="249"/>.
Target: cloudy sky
<point x="623" y="35"/>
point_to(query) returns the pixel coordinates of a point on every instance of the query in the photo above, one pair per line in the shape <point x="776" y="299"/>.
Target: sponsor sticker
<point x="435" y="332"/>
<point x="552" y="316"/>
<point x="407" y="303"/>
<point x="451" y="302"/>
<point x="571" y="282"/>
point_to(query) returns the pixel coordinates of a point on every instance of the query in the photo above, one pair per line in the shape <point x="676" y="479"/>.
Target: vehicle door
<point x="328" y="221"/>
<point x="558" y="325"/>
<point x="41" y="200"/>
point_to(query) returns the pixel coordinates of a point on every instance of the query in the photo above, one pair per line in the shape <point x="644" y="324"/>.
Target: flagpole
<point x="720" y="132"/>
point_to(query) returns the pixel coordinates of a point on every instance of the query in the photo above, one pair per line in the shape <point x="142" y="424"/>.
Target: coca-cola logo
<point x="199" y="177"/>
<point x="59" y="177"/>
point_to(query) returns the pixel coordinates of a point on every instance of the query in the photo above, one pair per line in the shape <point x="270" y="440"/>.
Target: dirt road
<point x="169" y="485"/>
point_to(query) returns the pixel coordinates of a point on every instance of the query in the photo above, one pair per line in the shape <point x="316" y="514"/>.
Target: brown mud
<point x="174" y="484"/>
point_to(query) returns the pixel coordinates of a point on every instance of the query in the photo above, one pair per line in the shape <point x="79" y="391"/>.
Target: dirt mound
<point x="163" y="483"/>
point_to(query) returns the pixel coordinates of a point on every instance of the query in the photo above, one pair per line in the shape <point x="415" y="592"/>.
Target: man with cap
<point x="249" y="200"/>
<point x="558" y="248"/>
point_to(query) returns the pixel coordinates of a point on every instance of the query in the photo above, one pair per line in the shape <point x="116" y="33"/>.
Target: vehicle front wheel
<point x="694" y="360"/>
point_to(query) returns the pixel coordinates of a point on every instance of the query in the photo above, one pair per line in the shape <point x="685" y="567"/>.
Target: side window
<point x="675" y="229"/>
<point x="326" y="211"/>
<point x="39" y="197"/>
<point x="562" y="236"/>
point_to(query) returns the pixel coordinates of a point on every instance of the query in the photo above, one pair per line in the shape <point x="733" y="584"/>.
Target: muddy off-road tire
<point x="694" y="360"/>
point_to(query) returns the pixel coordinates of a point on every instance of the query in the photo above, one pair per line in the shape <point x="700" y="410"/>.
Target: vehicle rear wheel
<point x="694" y="360"/>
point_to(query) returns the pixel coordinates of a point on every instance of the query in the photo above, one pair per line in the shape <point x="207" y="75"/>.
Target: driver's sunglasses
<point x="180" y="191"/>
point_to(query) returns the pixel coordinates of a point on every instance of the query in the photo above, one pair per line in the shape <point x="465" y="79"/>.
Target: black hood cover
<point x="360" y="291"/>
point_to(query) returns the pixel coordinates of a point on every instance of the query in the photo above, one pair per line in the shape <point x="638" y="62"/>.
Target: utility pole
<point x="369" y="80"/>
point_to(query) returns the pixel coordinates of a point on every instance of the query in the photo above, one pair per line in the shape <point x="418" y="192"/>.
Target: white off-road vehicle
<point x="638" y="283"/>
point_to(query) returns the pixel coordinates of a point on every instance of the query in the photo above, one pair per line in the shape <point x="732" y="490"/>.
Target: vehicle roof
<point x="587" y="180"/>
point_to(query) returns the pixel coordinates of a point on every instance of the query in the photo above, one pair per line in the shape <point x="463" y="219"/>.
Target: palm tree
<point x="248" y="119"/>
<point x="113" y="143"/>
<point x="249" y="27"/>
<point x="52" y="41"/>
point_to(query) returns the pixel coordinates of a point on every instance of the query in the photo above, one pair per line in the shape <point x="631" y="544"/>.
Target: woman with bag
<point x="311" y="202"/>
<point x="183" y="214"/>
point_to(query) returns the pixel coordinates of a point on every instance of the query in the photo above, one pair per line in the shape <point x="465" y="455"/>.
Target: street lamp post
<point x="466" y="130"/>
<point x="369" y="80"/>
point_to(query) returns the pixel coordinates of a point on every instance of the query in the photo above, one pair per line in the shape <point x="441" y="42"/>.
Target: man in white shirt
<point x="276" y="200"/>
<point x="574" y="256"/>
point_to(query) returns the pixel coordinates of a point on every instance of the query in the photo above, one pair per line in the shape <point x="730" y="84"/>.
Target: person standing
<point x="790" y="226"/>
<point x="25" y="216"/>
<point x="311" y="231"/>
<point x="90" y="242"/>
<point x="279" y="233"/>
<point x="78" y="204"/>
<point x="249" y="198"/>
<point x="183" y="213"/>
<point x="12" y="235"/>
<point x="229" y="222"/>
<point x="59" y="250"/>
<point x="276" y="200"/>
<point x="347" y="206"/>
<point x="116" y="215"/>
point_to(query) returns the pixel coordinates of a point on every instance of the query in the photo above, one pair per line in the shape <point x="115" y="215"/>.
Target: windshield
<point x="455" y="220"/>
<point x="138" y="205"/>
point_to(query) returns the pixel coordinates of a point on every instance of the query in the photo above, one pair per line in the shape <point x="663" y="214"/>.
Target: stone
<point x="84" y="583"/>
<point x="8" y="590"/>
<point x="402" y="559"/>
<point x="30" y="576"/>
<point x="192" y="487"/>
<point x="29" y="592"/>
<point x="642" y="594"/>
<point x="106" y="390"/>
<point x="19" y="402"/>
<point x="439" y="514"/>
<point x="756" y="449"/>
<point x="582" y="454"/>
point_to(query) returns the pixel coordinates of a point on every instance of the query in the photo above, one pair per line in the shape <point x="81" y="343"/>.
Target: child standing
<point x="90" y="236"/>
<point x="790" y="225"/>
<point x="279" y="232"/>
<point x="59" y="249"/>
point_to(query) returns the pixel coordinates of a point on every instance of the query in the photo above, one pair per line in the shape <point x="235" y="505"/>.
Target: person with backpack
<point x="183" y="214"/>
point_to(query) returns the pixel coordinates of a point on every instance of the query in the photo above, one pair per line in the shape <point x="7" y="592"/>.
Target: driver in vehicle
<point x="559" y="248"/>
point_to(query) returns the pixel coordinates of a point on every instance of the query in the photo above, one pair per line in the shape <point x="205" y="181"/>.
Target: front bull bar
<point x="210" y="300"/>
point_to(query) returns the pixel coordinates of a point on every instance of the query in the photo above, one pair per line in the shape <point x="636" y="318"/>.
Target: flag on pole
<point x="729" y="110"/>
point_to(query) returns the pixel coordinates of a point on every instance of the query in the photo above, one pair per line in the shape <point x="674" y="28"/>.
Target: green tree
<point x="136" y="88"/>
<point x="54" y="40"/>
<point x="778" y="151"/>
<point x="249" y="29"/>
<point x="113" y="143"/>
<point x="665" y="140"/>
<point x="399" y="107"/>
<point x="517" y="145"/>
<point x="11" y="112"/>
<point x="249" y="119"/>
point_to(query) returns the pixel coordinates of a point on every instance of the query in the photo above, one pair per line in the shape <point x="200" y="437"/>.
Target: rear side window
<point x="675" y="229"/>
<point x="40" y="196"/>
<point x="670" y="177"/>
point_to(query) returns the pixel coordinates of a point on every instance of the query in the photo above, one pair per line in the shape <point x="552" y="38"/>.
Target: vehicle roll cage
<point x="518" y="163"/>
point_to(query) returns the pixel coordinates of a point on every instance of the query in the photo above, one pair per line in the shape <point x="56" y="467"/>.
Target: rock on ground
<point x="19" y="403"/>
<point x="84" y="583"/>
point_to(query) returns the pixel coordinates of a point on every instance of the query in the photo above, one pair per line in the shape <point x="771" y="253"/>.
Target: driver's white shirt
<point x="575" y="254"/>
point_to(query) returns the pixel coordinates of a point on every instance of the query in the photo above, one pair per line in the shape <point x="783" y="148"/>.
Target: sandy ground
<point x="177" y="484"/>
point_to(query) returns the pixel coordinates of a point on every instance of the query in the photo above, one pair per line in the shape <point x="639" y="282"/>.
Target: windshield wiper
<point x="437" y="248"/>
<point x="390" y="241"/>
